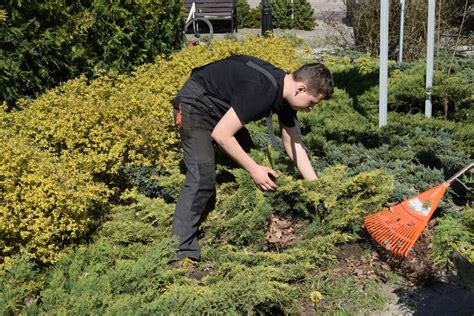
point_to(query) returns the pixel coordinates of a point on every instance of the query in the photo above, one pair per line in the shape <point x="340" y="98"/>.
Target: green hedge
<point x="45" y="43"/>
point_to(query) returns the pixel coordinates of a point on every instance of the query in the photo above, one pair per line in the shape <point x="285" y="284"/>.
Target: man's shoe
<point x="200" y="273"/>
<point x="192" y="269"/>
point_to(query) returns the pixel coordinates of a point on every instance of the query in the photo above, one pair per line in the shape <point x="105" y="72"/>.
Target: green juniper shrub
<point x="294" y="266"/>
<point x="259" y="135"/>
<point x="454" y="235"/>
<point x="141" y="216"/>
<point x="336" y="120"/>
<point x="290" y="200"/>
<point x="341" y="201"/>
<point x="432" y="142"/>
<point x="20" y="283"/>
<point x="468" y="218"/>
<point x="153" y="183"/>
<point x="126" y="265"/>
<point x="124" y="270"/>
<point x="407" y="91"/>
<point x="335" y="201"/>
<point x="234" y="289"/>
<point x="367" y="104"/>
<point x="354" y="74"/>
<point x="154" y="211"/>
<point x="256" y="289"/>
<point x="462" y="67"/>
<point x="241" y="213"/>
<point x="359" y="78"/>
<point x="409" y="177"/>
<point x="319" y="250"/>
<point x="104" y="277"/>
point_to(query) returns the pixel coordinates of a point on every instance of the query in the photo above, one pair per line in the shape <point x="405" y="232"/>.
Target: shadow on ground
<point x="437" y="298"/>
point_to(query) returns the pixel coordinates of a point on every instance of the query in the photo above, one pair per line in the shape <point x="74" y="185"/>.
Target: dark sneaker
<point x="192" y="268"/>
<point x="200" y="272"/>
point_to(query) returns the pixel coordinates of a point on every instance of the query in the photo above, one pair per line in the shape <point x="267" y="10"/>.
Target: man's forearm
<point x="232" y="147"/>
<point x="300" y="158"/>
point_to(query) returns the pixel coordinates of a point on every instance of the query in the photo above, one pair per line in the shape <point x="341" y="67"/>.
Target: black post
<point x="266" y="18"/>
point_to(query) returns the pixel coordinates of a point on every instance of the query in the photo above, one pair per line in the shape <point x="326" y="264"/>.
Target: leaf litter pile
<point x="280" y="234"/>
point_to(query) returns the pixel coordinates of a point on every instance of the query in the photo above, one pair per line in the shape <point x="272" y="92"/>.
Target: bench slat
<point x="230" y="4"/>
<point x="210" y="7"/>
<point x="213" y="10"/>
<point x="207" y="1"/>
<point x="211" y="4"/>
<point x="210" y="15"/>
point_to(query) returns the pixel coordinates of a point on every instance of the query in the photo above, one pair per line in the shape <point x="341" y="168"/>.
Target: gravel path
<point x="326" y="36"/>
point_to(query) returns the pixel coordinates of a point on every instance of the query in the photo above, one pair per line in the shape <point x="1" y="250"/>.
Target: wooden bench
<point x="215" y="10"/>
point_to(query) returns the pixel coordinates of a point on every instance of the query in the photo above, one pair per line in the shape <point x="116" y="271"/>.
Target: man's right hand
<point x="261" y="175"/>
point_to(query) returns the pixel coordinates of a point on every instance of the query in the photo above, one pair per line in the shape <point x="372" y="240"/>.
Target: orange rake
<point x="398" y="227"/>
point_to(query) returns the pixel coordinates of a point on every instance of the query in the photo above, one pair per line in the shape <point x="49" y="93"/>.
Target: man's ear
<point x="301" y="87"/>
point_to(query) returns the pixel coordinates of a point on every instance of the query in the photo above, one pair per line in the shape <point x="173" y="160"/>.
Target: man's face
<point x="303" y="100"/>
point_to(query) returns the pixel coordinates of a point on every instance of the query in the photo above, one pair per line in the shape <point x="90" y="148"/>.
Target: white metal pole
<point x="383" y="77"/>
<point x="402" y="23"/>
<point x="292" y="10"/>
<point x="429" y="56"/>
<point x="292" y="14"/>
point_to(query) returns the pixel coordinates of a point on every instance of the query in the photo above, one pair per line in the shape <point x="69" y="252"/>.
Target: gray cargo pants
<point x="198" y="192"/>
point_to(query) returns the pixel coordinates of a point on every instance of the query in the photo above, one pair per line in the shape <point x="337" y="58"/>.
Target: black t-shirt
<point x="249" y="91"/>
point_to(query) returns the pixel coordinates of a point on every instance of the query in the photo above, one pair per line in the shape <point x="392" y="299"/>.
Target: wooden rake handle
<point x="459" y="173"/>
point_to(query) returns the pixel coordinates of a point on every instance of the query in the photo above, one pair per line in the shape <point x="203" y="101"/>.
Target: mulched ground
<point x="416" y="267"/>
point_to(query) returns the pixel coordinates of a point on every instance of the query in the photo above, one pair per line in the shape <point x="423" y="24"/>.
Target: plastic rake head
<point x="398" y="228"/>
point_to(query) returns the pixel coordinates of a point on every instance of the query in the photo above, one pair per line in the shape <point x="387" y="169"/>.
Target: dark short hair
<point x="317" y="77"/>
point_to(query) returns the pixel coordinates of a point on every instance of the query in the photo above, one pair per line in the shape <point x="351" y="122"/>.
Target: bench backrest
<point x="212" y="9"/>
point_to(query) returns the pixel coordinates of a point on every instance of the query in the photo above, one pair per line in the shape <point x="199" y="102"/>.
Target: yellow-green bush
<point x="105" y="124"/>
<point x="46" y="203"/>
